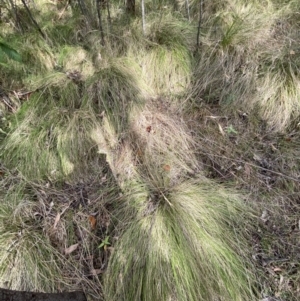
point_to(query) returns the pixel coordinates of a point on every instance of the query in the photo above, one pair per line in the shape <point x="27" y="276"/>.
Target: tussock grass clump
<point x="166" y="59"/>
<point x="58" y="131"/>
<point x="59" y="118"/>
<point x="179" y="245"/>
<point x="248" y="57"/>
<point x="37" y="54"/>
<point x="113" y="90"/>
<point x="278" y="94"/>
<point x="76" y="59"/>
<point x="28" y="261"/>
<point x="155" y="142"/>
<point x="278" y="82"/>
<point x="38" y="58"/>
<point x="231" y="35"/>
<point x="60" y="150"/>
<point x="161" y="140"/>
<point x="163" y="52"/>
<point x="63" y="33"/>
<point x="174" y="243"/>
<point x="166" y="70"/>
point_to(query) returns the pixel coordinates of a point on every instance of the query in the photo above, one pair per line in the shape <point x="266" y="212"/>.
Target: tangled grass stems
<point x="166" y="58"/>
<point x="161" y="142"/>
<point x="183" y="248"/>
<point x="61" y="115"/>
<point x="40" y="222"/>
<point x="28" y="261"/>
<point x="163" y="53"/>
<point x="114" y="89"/>
<point x="155" y="144"/>
<point x="76" y="59"/>
<point x="248" y="58"/>
<point x="60" y="136"/>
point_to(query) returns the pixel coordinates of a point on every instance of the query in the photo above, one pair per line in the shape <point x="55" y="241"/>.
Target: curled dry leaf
<point x="71" y="249"/>
<point x="93" y="222"/>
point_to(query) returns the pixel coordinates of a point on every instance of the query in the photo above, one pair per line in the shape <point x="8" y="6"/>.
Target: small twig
<point x="257" y="166"/>
<point x="64" y="9"/>
<point x="108" y="14"/>
<point x="199" y="23"/>
<point x="166" y="199"/>
<point x="6" y="100"/>
<point x="32" y="19"/>
<point x="100" y="22"/>
<point x="187" y="5"/>
<point x="143" y="17"/>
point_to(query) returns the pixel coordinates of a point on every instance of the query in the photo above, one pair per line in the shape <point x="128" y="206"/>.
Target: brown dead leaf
<point x="71" y="249"/>
<point x="95" y="272"/>
<point x="93" y="222"/>
<point x="167" y="168"/>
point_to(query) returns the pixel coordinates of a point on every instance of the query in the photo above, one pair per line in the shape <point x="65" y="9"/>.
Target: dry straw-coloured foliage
<point x="163" y="52"/>
<point x="26" y="256"/>
<point x="48" y="242"/>
<point x="176" y="245"/>
<point x="110" y="182"/>
<point x="249" y="58"/>
<point x="170" y="238"/>
<point x="155" y="141"/>
<point x="60" y="116"/>
<point x="237" y="149"/>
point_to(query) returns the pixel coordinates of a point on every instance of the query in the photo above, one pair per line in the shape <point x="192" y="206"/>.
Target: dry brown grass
<point x="93" y="97"/>
<point x="42" y="221"/>
<point x="156" y="140"/>
<point x="238" y="149"/>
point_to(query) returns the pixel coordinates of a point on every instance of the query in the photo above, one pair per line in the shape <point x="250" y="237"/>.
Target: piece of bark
<point x="11" y="295"/>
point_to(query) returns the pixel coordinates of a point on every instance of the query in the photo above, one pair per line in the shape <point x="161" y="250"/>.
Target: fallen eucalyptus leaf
<point x="71" y="249"/>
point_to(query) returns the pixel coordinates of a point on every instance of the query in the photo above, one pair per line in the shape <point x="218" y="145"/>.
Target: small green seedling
<point x="104" y="243"/>
<point x="230" y="130"/>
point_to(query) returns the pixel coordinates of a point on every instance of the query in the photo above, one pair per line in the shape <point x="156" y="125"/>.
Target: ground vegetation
<point x="150" y="150"/>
